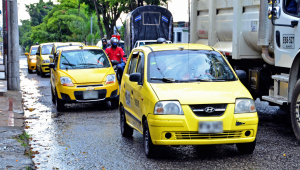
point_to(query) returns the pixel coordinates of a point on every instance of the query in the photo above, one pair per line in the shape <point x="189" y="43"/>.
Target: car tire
<point x="43" y="74"/>
<point x="38" y="71"/>
<point x="29" y="71"/>
<point x="149" y="148"/>
<point x="52" y="95"/>
<point x="246" y="148"/>
<point x="119" y="77"/>
<point x="114" y="104"/>
<point x="295" y="110"/>
<point x="126" y="130"/>
<point x="60" y="105"/>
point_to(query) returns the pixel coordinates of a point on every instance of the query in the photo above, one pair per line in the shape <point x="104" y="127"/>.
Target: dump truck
<point x="147" y="23"/>
<point x="261" y="37"/>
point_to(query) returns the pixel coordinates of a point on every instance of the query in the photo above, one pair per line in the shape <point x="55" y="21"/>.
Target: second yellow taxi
<point x="31" y="58"/>
<point x="82" y="74"/>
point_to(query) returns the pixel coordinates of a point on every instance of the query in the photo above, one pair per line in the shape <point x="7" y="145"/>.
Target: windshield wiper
<point x="69" y="64"/>
<point x="165" y="79"/>
<point x="88" y="64"/>
<point x="209" y="80"/>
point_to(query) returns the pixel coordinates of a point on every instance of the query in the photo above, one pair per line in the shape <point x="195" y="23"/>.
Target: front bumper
<point x="74" y="94"/>
<point x="184" y="128"/>
<point x="31" y="65"/>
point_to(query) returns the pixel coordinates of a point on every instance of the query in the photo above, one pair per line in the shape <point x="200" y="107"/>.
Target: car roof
<point x="35" y="46"/>
<point x="70" y="48"/>
<point x="50" y="43"/>
<point x="169" y="47"/>
<point x="67" y="43"/>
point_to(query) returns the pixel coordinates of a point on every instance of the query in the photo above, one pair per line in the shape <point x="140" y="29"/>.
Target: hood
<point x="80" y="76"/>
<point x="203" y="92"/>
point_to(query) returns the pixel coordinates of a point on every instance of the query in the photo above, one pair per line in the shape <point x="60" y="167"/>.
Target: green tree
<point x="38" y="11"/>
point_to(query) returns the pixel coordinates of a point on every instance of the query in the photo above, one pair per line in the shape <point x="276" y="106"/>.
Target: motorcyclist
<point x="116" y="53"/>
<point x="104" y="43"/>
<point x="161" y="41"/>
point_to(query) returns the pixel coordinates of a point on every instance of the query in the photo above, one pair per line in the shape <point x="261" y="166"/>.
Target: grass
<point x="23" y="138"/>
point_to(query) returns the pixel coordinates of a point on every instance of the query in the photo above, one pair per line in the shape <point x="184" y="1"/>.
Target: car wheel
<point x="114" y="103"/>
<point x="246" y="148"/>
<point x="59" y="104"/>
<point x="29" y="71"/>
<point x="38" y="71"/>
<point x="43" y="74"/>
<point x="52" y="95"/>
<point x="119" y="77"/>
<point x="148" y="145"/>
<point x="126" y="130"/>
<point x="295" y="110"/>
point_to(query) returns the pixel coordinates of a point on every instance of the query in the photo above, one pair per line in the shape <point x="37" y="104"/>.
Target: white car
<point x="147" y="42"/>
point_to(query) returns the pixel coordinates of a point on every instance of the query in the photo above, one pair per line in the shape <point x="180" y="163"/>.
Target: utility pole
<point x="92" y="27"/>
<point x="13" y="74"/>
<point x="189" y="8"/>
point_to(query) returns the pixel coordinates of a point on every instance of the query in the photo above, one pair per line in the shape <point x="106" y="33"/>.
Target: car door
<point x="54" y="72"/>
<point x="137" y="90"/>
<point x="38" y="58"/>
<point x="127" y="89"/>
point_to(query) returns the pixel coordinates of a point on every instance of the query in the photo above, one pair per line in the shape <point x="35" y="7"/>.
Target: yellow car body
<point x="83" y="80"/>
<point x="138" y="102"/>
<point x="31" y="58"/>
<point x="59" y="45"/>
<point x="43" y="60"/>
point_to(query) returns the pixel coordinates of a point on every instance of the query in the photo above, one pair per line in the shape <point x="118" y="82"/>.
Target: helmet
<point x="36" y="43"/>
<point x="114" y="42"/>
<point x="161" y="40"/>
<point x="104" y="40"/>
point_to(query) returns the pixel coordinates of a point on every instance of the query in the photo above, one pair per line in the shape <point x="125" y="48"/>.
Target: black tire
<point x="29" y="71"/>
<point x="114" y="104"/>
<point x="43" y="74"/>
<point x="149" y="148"/>
<point x="38" y="71"/>
<point x="246" y="148"/>
<point x="60" y="106"/>
<point x="52" y="96"/>
<point x="294" y="110"/>
<point x="126" y="130"/>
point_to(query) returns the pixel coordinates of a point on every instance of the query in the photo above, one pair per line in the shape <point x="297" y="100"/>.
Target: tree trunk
<point x="99" y="20"/>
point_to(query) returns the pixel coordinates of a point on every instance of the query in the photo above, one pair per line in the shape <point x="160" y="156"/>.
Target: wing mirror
<point x="37" y="53"/>
<point x="135" y="77"/>
<point x="241" y="74"/>
<point x="26" y="54"/>
<point x="51" y="65"/>
<point x="51" y="56"/>
<point x="114" y="62"/>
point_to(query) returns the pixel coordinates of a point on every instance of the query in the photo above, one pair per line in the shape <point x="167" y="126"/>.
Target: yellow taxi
<point x="59" y="45"/>
<point x="82" y="75"/>
<point x="186" y="94"/>
<point x="43" y="60"/>
<point x="31" y="58"/>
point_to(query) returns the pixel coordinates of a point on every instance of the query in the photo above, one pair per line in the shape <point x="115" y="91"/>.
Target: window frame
<point x="286" y="12"/>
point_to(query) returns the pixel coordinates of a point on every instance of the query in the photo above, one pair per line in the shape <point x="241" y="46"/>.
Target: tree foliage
<point x="38" y="11"/>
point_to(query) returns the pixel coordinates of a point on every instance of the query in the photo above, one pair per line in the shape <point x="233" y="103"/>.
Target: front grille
<point x="47" y="69"/>
<point x="45" y="65"/>
<point x="101" y="94"/>
<point x="196" y="135"/>
<point x="85" y="86"/>
<point x="199" y="110"/>
<point x="32" y="67"/>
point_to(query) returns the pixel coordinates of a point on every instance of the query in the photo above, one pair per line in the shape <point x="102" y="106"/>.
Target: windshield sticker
<point x="138" y="18"/>
<point x="127" y="98"/>
<point x="165" y="19"/>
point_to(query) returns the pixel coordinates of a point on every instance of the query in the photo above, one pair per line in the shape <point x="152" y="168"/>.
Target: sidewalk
<point x="11" y="126"/>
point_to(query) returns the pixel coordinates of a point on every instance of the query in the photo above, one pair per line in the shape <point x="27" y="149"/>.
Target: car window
<point x="46" y="49"/>
<point x="56" y="60"/>
<point x="33" y="50"/>
<point x="133" y="63"/>
<point x="82" y="59"/>
<point x="188" y="65"/>
<point x="140" y="65"/>
<point x="39" y="49"/>
<point x="292" y="7"/>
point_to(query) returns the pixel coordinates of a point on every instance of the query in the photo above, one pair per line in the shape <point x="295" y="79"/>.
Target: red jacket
<point x="116" y="54"/>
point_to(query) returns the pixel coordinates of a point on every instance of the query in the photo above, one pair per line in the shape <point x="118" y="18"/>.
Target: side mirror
<point x="37" y="53"/>
<point x="241" y="74"/>
<point x="26" y="54"/>
<point x="135" y="77"/>
<point x="51" y="56"/>
<point x="114" y="62"/>
<point x="51" y="65"/>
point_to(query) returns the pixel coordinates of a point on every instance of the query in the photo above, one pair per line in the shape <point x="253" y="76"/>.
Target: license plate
<point x="211" y="127"/>
<point x="288" y="41"/>
<point x="90" y="95"/>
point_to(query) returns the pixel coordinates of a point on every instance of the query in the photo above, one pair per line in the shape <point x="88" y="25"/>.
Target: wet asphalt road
<point x="87" y="136"/>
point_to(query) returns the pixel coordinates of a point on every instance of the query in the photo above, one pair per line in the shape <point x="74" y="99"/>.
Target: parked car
<point x="43" y="60"/>
<point x="31" y="58"/>
<point x="59" y="45"/>
<point x="83" y="75"/>
<point x="186" y="94"/>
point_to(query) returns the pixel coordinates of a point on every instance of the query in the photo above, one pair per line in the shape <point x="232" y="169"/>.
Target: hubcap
<point x="297" y="110"/>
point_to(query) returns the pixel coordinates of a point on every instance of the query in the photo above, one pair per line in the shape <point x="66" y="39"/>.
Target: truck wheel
<point x="295" y="110"/>
<point x="246" y="148"/>
<point x="148" y="145"/>
<point x="126" y="130"/>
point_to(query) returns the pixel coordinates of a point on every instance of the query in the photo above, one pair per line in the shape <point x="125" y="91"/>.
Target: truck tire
<point x="126" y="130"/>
<point x="246" y="148"/>
<point x="295" y="110"/>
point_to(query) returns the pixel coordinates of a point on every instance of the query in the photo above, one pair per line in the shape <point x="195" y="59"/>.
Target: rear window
<point x="46" y="49"/>
<point x="33" y="50"/>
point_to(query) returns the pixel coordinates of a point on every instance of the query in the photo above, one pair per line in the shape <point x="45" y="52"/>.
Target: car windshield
<point x="46" y="49"/>
<point x="33" y="50"/>
<point x="82" y="59"/>
<point x="188" y="66"/>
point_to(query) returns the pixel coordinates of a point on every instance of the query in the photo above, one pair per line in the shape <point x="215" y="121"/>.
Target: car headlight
<point x="66" y="81"/>
<point x="33" y="60"/>
<point x="110" y="79"/>
<point x="46" y="61"/>
<point x="244" y="106"/>
<point x="168" y="108"/>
